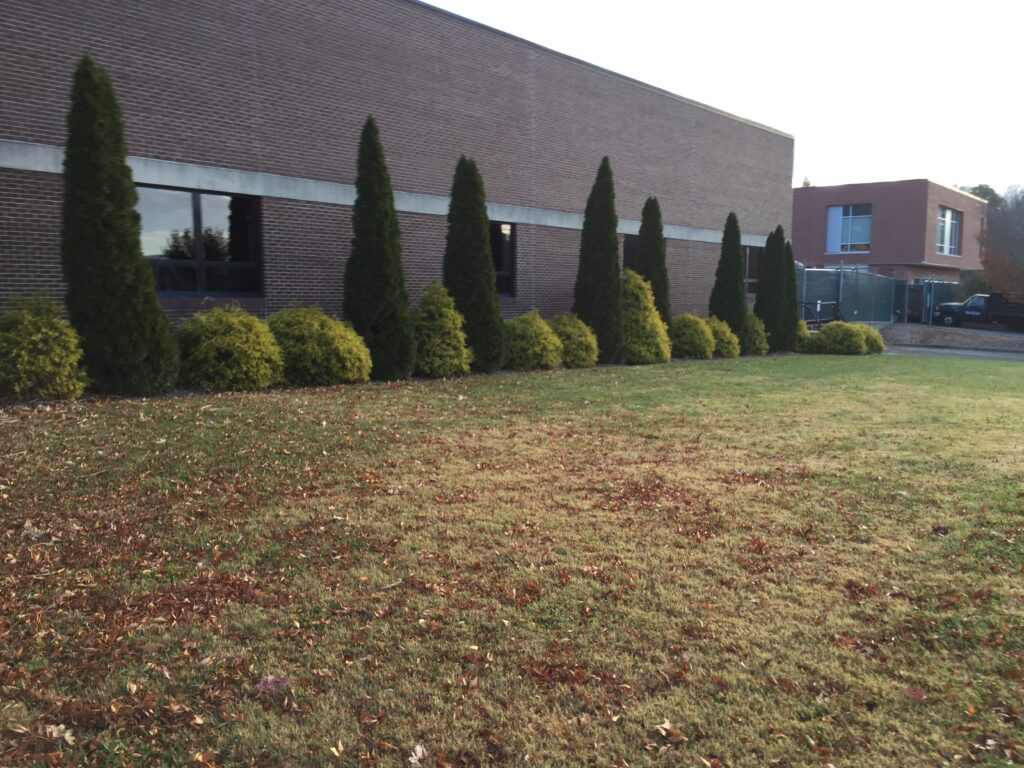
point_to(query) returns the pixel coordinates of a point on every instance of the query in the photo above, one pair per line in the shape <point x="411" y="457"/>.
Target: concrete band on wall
<point x="46" y="158"/>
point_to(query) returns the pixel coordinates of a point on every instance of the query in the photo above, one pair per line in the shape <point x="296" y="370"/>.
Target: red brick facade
<point x="283" y="88"/>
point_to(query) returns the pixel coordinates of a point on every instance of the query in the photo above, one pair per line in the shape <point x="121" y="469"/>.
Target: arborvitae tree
<point x="767" y="300"/>
<point x="469" y="269"/>
<point x="375" y="300"/>
<point x="729" y="294"/>
<point x="111" y="297"/>
<point x="651" y="257"/>
<point x="791" y="312"/>
<point x="598" y="295"/>
<point x="772" y="294"/>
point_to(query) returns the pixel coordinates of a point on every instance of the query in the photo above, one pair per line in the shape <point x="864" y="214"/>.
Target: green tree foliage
<point x="441" y="349"/>
<point x="873" y="341"/>
<point x="598" y="294"/>
<point x="729" y="295"/>
<point x="319" y="350"/>
<point x="579" y="344"/>
<point x="532" y="345"/>
<point x="111" y="297"/>
<point x="754" y="339"/>
<point x="644" y="333"/>
<point x="727" y="343"/>
<point x="776" y="293"/>
<point x="375" y="299"/>
<point x="40" y="356"/>
<point x="469" y="269"/>
<point x="651" y="257"/>
<point x="790" y="308"/>
<point x="691" y="337"/>
<point x="228" y="350"/>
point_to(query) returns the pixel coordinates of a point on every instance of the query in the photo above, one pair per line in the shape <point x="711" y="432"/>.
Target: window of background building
<point x="753" y="255"/>
<point x="224" y="260"/>
<point x="947" y="234"/>
<point x="848" y="229"/>
<point x="630" y="252"/>
<point x="503" y="251"/>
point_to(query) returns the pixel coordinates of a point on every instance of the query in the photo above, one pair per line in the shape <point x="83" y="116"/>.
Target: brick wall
<point x="29" y="235"/>
<point x="283" y="87"/>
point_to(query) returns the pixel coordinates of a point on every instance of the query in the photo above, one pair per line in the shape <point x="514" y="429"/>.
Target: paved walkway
<point x="975" y="354"/>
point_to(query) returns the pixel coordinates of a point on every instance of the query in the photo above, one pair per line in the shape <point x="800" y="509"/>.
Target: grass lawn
<point x="793" y="561"/>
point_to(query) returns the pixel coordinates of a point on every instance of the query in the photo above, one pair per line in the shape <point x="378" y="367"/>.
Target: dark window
<point x="630" y="252"/>
<point x="503" y="251"/>
<point x="223" y="261"/>
<point x="753" y="254"/>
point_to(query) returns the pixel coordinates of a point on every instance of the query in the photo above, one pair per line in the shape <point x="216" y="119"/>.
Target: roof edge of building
<point x="598" y="68"/>
<point x="893" y="181"/>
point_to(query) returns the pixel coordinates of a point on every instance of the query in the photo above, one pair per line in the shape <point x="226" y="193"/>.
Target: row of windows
<point x="848" y="230"/>
<point x="226" y="259"/>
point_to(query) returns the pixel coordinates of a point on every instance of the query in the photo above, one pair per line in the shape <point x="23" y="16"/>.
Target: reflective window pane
<point x="166" y="223"/>
<point x="227" y="228"/>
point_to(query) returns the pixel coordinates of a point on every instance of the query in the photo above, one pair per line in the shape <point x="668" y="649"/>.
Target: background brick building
<point x="256" y="107"/>
<point x="914" y="229"/>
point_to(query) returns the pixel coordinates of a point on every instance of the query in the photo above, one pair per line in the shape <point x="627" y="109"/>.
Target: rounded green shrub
<point x="441" y="350"/>
<point x="318" y="350"/>
<point x="839" y="338"/>
<point x="579" y="343"/>
<point x="691" y="337"/>
<point x="532" y="344"/>
<point x="873" y="340"/>
<point x="40" y="356"/>
<point x="726" y="342"/>
<point x="227" y="350"/>
<point x="644" y="335"/>
<point x="804" y="340"/>
<point x="754" y="340"/>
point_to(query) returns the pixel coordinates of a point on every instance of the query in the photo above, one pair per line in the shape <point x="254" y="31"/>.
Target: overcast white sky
<point x="871" y="90"/>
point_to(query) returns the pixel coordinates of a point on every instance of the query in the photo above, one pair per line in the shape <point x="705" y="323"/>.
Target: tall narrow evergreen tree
<point x="469" y="268"/>
<point x="375" y="300"/>
<point x="598" y="294"/>
<point x="729" y="295"/>
<point x="791" y="312"/>
<point x="772" y="293"/>
<point x="111" y="297"/>
<point x="651" y="257"/>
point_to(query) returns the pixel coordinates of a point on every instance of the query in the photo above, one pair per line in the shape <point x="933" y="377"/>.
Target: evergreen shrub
<point x="803" y="337"/>
<point x="754" y="339"/>
<point x="728" y="300"/>
<point x="873" y="340"/>
<point x="579" y="344"/>
<point x="597" y="296"/>
<point x="228" y="350"/>
<point x="127" y="341"/>
<point x="727" y="344"/>
<point x="838" y="338"/>
<point x="441" y="349"/>
<point x="40" y="357"/>
<point x="532" y="344"/>
<point x="318" y="350"/>
<point x="375" y="299"/>
<point x="469" y="269"/>
<point x="644" y="334"/>
<point x="691" y="337"/>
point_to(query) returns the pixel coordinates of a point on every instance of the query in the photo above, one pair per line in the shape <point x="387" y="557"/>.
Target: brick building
<point x="242" y="119"/>
<point x="914" y="229"/>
